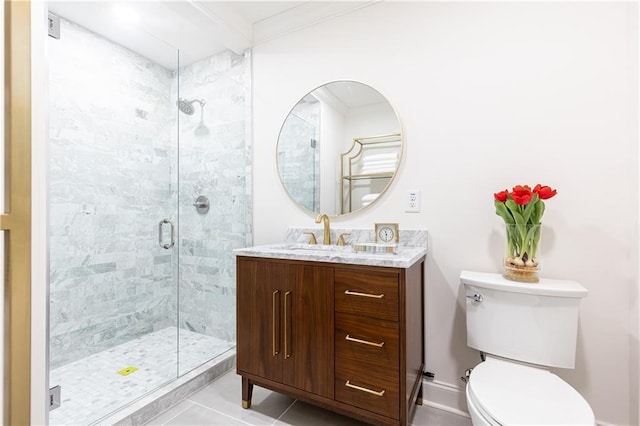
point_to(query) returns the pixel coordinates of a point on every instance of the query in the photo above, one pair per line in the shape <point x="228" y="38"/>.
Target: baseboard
<point x="452" y="399"/>
<point x="444" y="396"/>
<point x="599" y="423"/>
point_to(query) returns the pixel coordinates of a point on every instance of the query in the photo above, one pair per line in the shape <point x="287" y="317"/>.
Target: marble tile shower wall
<point x="110" y="168"/>
<point x="299" y="157"/>
<point x="113" y="177"/>
<point x="214" y="163"/>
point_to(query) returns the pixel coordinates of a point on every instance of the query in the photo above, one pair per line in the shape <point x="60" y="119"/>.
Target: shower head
<point x="186" y="106"/>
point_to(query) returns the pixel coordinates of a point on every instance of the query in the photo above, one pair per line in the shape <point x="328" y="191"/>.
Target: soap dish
<point x="376" y="248"/>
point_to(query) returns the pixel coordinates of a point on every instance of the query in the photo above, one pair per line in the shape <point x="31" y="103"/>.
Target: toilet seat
<point x="513" y="394"/>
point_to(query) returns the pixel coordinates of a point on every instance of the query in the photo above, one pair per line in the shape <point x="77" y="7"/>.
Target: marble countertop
<point x="405" y="257"/>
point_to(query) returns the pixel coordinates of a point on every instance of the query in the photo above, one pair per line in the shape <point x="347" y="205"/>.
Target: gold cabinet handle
<point x="365" y="342"/>
<point x="360" y="388"/>
<point x="287" y="328"/>
<point x="355" y="293"/>
<point x="273" y="322"/>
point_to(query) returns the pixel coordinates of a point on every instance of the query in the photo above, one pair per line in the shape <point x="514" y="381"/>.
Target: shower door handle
<point x="173" y="234"/>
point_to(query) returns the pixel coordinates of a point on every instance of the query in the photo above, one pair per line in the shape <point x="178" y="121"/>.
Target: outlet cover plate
<point x="412" y="203"/>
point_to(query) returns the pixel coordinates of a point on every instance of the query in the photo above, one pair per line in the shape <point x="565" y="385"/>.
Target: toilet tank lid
<point x="546" y="287"/>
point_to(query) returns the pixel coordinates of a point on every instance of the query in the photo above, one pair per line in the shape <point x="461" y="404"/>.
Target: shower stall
<point x="148" y="197"/>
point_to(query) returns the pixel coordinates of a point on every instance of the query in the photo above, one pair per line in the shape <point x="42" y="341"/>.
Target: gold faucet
<point x="341" y="240"/>
<point x="326" y="240"/>
<point x="312" y="237"/>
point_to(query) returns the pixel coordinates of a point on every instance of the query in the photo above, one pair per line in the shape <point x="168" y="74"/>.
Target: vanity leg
<point x="247" y="392"/>
<point x="419" y="398"/>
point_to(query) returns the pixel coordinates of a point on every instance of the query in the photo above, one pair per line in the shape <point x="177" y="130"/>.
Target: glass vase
<point x="521" y="262"/>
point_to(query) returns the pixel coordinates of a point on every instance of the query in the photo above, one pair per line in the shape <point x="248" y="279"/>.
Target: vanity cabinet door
<point x="260" y="287"/>
<point x="308" y="330"/>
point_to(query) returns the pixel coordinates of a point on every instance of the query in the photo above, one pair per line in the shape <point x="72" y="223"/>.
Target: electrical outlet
<point x="413" y="202"/>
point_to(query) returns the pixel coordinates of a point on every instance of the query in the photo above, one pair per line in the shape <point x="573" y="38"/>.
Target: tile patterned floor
<point x="92" y="388"/>
<point x="219" y="404"/>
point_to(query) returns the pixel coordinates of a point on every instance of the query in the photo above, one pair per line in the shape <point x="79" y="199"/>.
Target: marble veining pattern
<point x="298" y="157"/>
<point x="213" y="162"/>
<point x="115" y="164"/>
<point x="110" y="183"/>
<point x="407" y="237"/>
<point x="92" y="388"/>
<point x="296" y="248"/>
<point x="405" y="257"/>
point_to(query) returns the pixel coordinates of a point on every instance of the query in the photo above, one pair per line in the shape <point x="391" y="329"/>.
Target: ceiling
<point x="199" y="29"/>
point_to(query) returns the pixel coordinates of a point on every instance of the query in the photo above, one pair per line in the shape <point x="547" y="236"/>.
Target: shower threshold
<point x="93" y="391"/>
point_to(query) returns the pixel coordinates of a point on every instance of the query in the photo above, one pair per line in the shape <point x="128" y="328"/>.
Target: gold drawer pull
<point x="287" y="326"/>
<point x="355" y="293"/>
<point x="353" y="339"/>
<point x="275" y="317"/>
<point x="349" y="385"/>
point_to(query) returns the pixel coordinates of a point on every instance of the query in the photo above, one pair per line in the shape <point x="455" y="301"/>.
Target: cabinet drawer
<point x="367" y="339"/>
<point x="367" y="293"/>
<point x="368" y="387"/>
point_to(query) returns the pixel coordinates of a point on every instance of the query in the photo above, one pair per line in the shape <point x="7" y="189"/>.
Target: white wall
<point x="490" y="95"/>
<point x="370" y="120"/>
<point x="331" y="130"/>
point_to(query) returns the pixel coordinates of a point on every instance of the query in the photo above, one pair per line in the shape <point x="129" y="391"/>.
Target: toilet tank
<point x="535" y="323"/>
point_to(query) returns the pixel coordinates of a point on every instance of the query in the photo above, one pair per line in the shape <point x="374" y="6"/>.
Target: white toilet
<point x="523" y="328"/>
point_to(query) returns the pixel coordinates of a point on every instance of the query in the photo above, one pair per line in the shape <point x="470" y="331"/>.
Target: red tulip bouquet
<point x="522" y="211"/>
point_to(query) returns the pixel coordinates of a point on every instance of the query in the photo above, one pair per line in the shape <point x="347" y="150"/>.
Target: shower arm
<point x="202" y="104"/>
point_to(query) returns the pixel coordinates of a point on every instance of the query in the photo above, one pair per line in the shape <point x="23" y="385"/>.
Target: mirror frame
<point x="399" y="134"/>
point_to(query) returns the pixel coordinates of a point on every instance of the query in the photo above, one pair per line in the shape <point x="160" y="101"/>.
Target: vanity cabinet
<point x="348" y="338"/>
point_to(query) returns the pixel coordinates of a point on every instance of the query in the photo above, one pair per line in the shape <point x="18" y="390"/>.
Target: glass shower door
<point x="299" y="159"/>
<point x="113" y="224"/>
<point x="214" y="203"/>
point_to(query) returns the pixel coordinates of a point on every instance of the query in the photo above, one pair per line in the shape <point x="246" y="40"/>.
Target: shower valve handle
<point x="201" y="204"/>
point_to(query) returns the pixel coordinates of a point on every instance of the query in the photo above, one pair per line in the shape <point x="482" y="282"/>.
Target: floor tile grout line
<point x="172" y="418"/>
<point x="220" y="412"/>
<point x="284" y="412"/>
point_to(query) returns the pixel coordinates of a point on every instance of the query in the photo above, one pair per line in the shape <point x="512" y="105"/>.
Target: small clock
<point x="386" y="232"/>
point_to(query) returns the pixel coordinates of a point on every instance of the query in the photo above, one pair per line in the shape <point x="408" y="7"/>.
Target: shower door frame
<point x="16" y="219"/>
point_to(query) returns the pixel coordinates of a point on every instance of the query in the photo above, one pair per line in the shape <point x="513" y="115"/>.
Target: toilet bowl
<point x="523" y="329"/>
<point x="502" y="392"/>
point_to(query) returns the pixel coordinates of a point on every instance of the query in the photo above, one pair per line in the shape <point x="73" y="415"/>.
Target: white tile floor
<point x="219" y="404"/>
<point x="92" y="387"/>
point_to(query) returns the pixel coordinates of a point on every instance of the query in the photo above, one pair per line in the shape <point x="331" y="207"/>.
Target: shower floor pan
<point x="92" y="388"/>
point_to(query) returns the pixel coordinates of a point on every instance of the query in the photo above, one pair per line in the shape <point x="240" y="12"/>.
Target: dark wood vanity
<point x="348" y="338"/>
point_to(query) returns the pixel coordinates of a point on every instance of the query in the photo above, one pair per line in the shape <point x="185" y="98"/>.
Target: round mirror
<point x="339" y="148"/>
